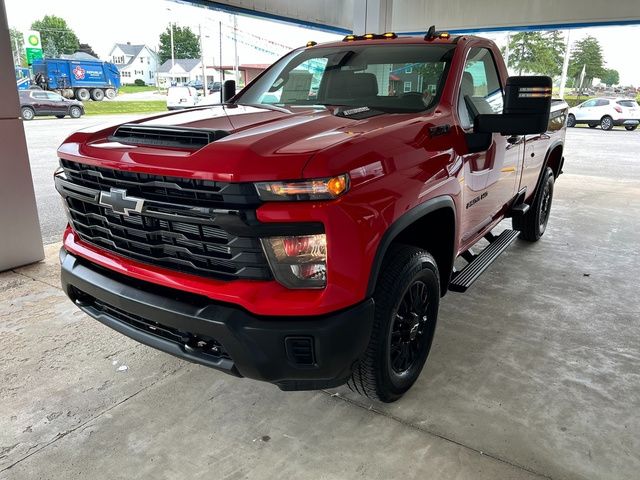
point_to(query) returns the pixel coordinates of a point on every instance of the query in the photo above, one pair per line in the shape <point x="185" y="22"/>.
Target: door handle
<point x="514" y="139"/>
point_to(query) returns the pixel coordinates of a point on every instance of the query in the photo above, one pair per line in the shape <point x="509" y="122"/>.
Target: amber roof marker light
<point x="311" y="43"/>
<point x="370" y="36"/>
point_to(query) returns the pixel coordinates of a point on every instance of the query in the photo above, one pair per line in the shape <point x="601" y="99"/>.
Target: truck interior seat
<point x="348" y="84"/>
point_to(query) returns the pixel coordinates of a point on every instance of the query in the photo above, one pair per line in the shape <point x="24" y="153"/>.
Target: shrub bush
<point x="139" y="82"/>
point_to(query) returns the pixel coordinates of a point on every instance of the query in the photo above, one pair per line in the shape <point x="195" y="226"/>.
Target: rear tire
<point x="606" y="123"/>
<point x="82" y="94"/>
<point x="97" y="94"/>
<point x="571" y="120"/>
<point x="75" y="112"/>
<point x="630" y="128"/>
<point x="534" y="223"/>
<point x="110" y="93"/>
<point x="28" y="113"/>
<point x="407" y="297"/>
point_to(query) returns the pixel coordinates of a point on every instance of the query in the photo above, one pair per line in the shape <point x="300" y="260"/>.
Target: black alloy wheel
<point x="406" y="342"/>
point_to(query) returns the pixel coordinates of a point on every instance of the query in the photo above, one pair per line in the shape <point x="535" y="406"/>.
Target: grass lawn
<point x="136" y="88"/>
<point x="105" y="108"/>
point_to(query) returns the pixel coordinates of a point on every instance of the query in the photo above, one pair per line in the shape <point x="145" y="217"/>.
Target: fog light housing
<point x="298" y="261"/>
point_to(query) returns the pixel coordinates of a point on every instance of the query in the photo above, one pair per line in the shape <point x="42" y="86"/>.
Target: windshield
<point x="391" y="78"/>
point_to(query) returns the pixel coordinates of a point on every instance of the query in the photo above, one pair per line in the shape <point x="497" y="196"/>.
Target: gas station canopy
<point x="413" y="16"/>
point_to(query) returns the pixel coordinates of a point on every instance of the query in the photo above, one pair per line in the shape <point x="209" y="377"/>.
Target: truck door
<point x="491" y="177"/>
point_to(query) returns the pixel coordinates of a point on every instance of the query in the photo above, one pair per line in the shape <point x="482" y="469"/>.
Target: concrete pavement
<point x="534" y="373"/>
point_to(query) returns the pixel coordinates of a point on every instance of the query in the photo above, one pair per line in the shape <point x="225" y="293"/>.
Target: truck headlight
<point x="298" y="262"/>
<point x="316" y="189"/>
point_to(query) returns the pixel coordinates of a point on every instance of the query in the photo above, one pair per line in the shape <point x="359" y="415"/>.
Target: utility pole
<point x="18" y="56"/>
<point x="173" y="56"/>
<point x="235" y="48"/>
<point x="221" y="70"/>
<point x="173" y="52"/>
<point x="205" y="89"/>
<point x="507" y="51"/>
<point x="565" y="64"/>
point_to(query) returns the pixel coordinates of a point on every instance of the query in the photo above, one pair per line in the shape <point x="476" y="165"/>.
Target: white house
<point x="184" y="70"/>
<point x="135" y="62"/>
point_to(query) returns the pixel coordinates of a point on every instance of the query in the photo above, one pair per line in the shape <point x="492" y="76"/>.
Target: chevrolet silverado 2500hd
<point x="303" y="232"/>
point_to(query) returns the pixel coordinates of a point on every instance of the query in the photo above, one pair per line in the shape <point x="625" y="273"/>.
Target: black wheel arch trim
<point x="556" y="144"/>
<point x="413" y="215"/>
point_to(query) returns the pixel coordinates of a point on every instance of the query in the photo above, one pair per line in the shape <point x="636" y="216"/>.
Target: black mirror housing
<point x="228" y="90"/>
<point x="527" y="105"/>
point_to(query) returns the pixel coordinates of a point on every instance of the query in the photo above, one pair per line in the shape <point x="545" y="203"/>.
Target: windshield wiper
<point x="266" y="106"/>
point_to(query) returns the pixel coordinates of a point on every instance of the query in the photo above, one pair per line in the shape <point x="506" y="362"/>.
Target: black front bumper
<point x="301" y="353"/>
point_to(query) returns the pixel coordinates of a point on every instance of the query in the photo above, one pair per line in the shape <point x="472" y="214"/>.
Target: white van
<point x="182" y="97"/>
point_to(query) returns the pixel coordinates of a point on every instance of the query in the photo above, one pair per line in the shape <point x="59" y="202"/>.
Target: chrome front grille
<point x="193" y="226"/>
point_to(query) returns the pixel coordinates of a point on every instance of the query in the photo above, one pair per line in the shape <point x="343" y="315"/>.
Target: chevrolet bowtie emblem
<point x="117" y="200"/>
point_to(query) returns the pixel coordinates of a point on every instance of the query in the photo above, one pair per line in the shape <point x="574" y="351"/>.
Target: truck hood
<point x="263" y="144"/>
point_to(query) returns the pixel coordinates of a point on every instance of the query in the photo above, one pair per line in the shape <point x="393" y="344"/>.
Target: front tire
<point x="407" y="297"/>
<point x="75" y="112"/>
<point x="59" y="116"/>
<point x="606" y="123"/>
<point x="534" y="223"/>
<point x="28" y="113"/>
<point x="630" y="128"/>
<point x="571" y="120"/>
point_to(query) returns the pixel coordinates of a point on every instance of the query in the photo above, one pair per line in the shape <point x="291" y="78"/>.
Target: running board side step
<point x="464" y="278"/>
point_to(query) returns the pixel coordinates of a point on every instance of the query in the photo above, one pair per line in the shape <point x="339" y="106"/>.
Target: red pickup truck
<point x="303" y="232"/>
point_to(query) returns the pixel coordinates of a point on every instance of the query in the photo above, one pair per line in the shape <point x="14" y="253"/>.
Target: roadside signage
<point x="32" y="46"/>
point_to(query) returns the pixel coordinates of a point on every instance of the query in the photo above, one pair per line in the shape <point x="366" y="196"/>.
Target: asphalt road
<point x="592" y="152"/>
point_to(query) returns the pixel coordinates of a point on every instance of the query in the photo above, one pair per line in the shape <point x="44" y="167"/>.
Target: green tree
<point x="555" y="46"/>
<point x="186" y="43"/>
<point x="86" y="48"/>
<point x="57" y="37"/>
<point x="17" y="47"/>
<point x="587" y="54"/>
<point x="523" y="49"/>
<point x="537" y="52"/>
<point x="610" y="77"/>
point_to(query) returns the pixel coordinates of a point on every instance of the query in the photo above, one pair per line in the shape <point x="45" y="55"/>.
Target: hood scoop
<point x="166" y="136"/>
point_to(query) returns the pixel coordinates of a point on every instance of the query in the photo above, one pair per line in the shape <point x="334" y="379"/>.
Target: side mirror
<point x="527" y="105"/>
<point x="228" y="90"/>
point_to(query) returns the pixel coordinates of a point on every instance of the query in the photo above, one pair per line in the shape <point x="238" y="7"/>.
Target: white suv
<point x="182" y="97"/>
<point x="606" y="112"/>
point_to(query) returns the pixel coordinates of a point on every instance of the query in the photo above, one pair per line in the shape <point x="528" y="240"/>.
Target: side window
<point x="590" y="103"/>
<point x="39" y="95"/>
<point x="480" y="90"/>
<point x="602" y="103"/>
